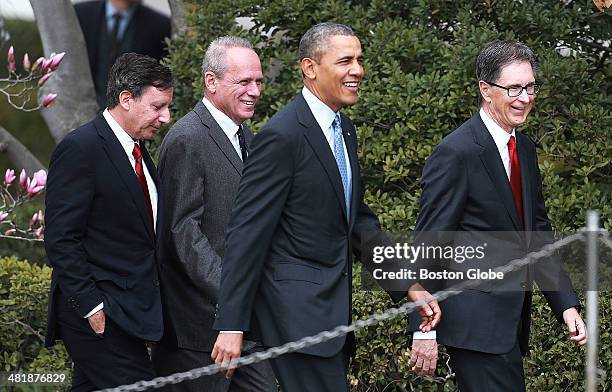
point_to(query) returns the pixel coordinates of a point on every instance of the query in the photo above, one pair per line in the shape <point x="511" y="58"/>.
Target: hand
<point x="227" y="347"/>
<point x="575" y="326"/>
<point x="429" y="311"/>
<point x="97" y="321"/>
<point x="424" y="356"/>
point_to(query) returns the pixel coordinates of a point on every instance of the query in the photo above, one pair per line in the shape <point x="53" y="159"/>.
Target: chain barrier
<point x="340" y="330"/>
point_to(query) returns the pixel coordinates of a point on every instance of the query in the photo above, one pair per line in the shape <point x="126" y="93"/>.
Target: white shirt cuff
<point x="240" y="332"/>
<point x="418" y="335"/>
<point x="94" y="310"/>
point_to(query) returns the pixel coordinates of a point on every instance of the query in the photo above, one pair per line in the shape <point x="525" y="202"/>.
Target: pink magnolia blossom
<point x="34" y="219"/>
<point x="45" y="77"/>
<point x="41" y="177"/>
<point x="39" y="232"/>
<point x="41" y="217"/>
<point x="45" y="65"/>
<point x="33" y="188"/>
<point x="56" y="60"/>
<point x="10" y="57"/>
<point x="26" y="62"/>
<point x="3" y="215"/>
<point x="37" y="63"/>
<point x="23" y="178"/>
<point x="9" y="177"/>
<point x="10" y="232"/>
<point x="48" y="100"/>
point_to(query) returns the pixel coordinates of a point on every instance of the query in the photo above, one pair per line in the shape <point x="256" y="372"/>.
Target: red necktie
<point x="142" y="180"/>
<point x="515" y="178"/>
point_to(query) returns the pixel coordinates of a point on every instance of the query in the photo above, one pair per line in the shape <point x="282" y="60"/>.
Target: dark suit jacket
<point x="98" y="236"/>
<point x="466" y="190"/>
<point x="145" y="34"/>
<point x="200" y="173"/>
<point x="288" y="251"/>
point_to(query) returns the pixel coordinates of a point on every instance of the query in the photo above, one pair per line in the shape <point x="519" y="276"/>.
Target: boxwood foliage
<point x="419" y="86"/>
<point x="24" y="288"/>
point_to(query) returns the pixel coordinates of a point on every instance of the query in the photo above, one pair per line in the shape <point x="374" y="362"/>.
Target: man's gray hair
<point x="214" y="58"/>
<point x="497" y="54"/>
<point x="314" y="41"/>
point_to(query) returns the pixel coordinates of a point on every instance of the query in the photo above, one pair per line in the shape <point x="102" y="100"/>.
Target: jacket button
<point x="156" y="283"/>
<point x="344" y="273"/>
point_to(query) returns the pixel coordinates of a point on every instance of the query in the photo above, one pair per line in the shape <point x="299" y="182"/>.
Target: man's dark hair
<point x="315" y="40"/>
<point x="497" y="54"/>
<point x="133" y="72"/>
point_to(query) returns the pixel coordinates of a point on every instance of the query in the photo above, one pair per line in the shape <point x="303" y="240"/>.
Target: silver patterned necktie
<point x="341" y="162"/>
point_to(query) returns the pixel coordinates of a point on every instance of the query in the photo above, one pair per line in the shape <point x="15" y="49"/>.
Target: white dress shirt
<point x="325" y="117"/>
<point x="229" y="127"/>
<point x="501" y="138"/>
<point x="128" y="146"/>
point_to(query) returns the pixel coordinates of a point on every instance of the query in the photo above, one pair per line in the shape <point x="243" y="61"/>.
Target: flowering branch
<point x="28" y="188"/>
<point x="18" y="88"/>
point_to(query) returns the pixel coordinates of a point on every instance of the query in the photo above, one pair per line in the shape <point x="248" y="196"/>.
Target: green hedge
<point x="24" y="288"/>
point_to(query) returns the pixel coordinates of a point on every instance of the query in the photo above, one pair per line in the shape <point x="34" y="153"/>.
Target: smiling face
<point x="509" y="112"/>
<point x="147" y="113"/>
<point x="336" y="76"/>
<point x="238" y="90"/>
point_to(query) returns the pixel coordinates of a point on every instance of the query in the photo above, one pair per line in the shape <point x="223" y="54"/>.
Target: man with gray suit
<point x="200" y="166"/>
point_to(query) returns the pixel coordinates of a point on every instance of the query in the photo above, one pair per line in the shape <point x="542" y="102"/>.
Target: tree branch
<point x="60" y="32"/>
<point x="17" y="153"/>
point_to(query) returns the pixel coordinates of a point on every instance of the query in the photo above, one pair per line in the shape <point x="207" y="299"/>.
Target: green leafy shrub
<point x="24" y="289"/>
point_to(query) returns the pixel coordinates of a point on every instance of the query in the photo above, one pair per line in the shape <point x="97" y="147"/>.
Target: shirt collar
<point x="499" y="135"/>
<point x="321" y="112"/>
<point x="126" y="140"/>
<point x="111" y="10"/>
<point x="228" y="125"/>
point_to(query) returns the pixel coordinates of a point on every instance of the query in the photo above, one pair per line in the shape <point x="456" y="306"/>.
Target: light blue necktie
<point x="341" y="162"/>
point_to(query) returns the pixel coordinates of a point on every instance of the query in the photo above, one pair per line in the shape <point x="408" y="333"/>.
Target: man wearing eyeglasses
<point x="482" y="179"/>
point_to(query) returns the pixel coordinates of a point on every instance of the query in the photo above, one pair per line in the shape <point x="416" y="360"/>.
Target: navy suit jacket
<point x="288" y="252"/>
<point x="98" y="236"/>
<point x="466" y="191"/>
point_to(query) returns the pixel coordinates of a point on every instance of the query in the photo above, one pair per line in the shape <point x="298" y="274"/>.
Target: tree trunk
<point x="60" y="32"/>
<point x="177" y="9"/>
<point x="17" y="153"/>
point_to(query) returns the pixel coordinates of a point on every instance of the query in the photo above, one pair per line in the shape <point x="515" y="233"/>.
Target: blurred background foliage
<point x="420" y="85"/>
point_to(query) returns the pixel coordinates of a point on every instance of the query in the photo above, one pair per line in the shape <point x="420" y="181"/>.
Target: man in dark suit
<point x="200" y="164"/>
<point x="101" y="214"/>
<point x="298" y="218"/>
<point x="114" y="27"/>
<point x="483" y="183"/>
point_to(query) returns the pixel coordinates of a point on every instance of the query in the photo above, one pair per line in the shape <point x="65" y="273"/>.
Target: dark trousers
<point x="306" y="373"/>
<point x="253" y="378"/>
<point x="477" y="372"/>
<point x="101" y="361"/>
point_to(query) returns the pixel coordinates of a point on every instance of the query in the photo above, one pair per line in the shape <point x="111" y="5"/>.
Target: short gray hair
<point x="497" y="54"/>
<point x="313" y="42"/>
<point x="214" y="58"/>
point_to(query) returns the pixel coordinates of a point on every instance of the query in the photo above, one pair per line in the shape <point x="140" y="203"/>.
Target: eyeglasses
<point x="515" y="91"/>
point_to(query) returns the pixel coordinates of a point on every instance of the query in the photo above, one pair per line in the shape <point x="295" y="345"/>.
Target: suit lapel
<point x="320" y="146"/>
<point x="350" y="139"/>
<point x="526" y="181"/>
<point x="489" y="155"/>
<point x="119" y="159"/>
<point x="219" y="137"/>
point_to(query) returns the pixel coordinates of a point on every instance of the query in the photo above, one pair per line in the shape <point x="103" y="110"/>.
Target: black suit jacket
<point x="200" y="172"/>
<point x="288" y="252"/>
<point x="150" y="30"/>
<point x="98" y="236"/>
<point x="466" y="190"/>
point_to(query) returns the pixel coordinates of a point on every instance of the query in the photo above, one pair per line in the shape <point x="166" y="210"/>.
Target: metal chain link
<point x="340" y="330"/>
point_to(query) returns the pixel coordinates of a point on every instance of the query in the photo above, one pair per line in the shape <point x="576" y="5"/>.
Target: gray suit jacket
<point x="200" y="172"/>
